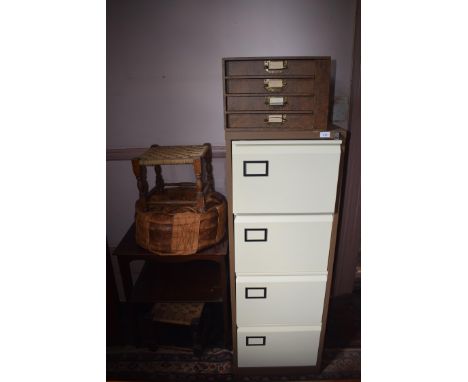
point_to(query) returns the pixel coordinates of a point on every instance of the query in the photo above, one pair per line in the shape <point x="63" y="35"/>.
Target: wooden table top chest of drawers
<point x="284" y="170"/>
<point x="285" y="93"/>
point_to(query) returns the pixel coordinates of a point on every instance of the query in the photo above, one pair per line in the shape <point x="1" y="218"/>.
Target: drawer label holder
<point x="275" y="118"/>
<point x="256" y="168"/>
<point x="255" y="234"/>
<point x="275" y="64"/>
<point x="274" y="84"/>
<point x="276" y="101"/>
<point x="255" y="341"/>
<point x="256" y="292"/>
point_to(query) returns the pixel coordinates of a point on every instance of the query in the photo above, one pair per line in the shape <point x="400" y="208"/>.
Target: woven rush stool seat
<point x="183" y="314"/>
<point x="179" y="313"/>
<point x="178" y="218"/>
<point x="159" y="155"/>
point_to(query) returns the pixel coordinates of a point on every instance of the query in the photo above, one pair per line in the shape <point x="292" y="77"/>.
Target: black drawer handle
<point x="255" y="341"/>
<point x="253" y="293"/>
<point x="254" y="170"/>
<point x="248" y="237"/>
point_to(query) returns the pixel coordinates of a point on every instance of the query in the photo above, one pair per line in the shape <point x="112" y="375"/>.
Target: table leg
<point x="126" y="275"/>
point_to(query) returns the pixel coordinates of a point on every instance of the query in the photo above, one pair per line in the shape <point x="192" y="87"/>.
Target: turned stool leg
<point x="140" y="174"/>
<point x="159" y="178"/>
<point x="209" y="168"/>
<point x="197" y="167"/>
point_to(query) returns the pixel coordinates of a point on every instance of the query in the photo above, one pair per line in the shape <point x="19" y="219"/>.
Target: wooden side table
<point x="201" y="277"/>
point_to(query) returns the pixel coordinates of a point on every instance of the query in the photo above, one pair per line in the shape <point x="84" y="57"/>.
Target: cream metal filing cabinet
<point x="283" y="195"/>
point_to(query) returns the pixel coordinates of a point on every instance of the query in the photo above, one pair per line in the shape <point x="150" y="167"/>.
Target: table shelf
<point x="202" y="277"/>
<point x="194" y="281"/>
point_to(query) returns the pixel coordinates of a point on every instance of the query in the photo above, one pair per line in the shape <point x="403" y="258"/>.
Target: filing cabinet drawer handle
<point x="255" y="292"/>
<point x="275" y="66"/>
<point x="275" y="118"/>
<point x="274" y="85"/>
<point x="276" y="101"/>
<point x="255" y="234"/>
<point x="256" y="168"/>
<point x="255" y="341"/>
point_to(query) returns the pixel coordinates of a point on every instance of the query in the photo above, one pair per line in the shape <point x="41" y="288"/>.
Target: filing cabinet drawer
<point x="278" y="346"/>
<point x="282" y="243"/>
<point x="268" y="120"/>
<point x="276" y="102"/>
<point x="270" y="85"/>
<point x="275" y="66"/>
<point x="280" y="300"/>
<point x="298" y="176"/>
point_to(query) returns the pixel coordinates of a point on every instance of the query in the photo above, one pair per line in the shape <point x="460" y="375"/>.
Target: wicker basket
<point x="179" y="228"/>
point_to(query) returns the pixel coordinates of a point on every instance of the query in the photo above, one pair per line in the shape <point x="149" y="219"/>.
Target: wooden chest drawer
<point x="280" y="300"/>
<point x="282" y="243"/>
<point x="270" y="85"/>
<point x="278" y="346"/>
<point x="285" y="177"/>
<point x="276" y="103"/>
<point x="281" y="120"/>
<point x="266" y="67"/>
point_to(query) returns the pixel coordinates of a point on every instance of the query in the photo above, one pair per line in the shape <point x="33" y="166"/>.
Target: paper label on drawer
<point x="256" y="168"/>
<point x="255" y="292"/>
<point x="255" y="234"/>
<point x="324" y="134"/>
<point x="276" y="101"/>
<point x="255" y="341"/>
<point x="275" y="118"/>
<point x="274" y="83"/>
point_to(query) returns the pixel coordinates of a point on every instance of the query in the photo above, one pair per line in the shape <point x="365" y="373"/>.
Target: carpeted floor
<point x="341" y="359"/>
<point x="179" y="364"/>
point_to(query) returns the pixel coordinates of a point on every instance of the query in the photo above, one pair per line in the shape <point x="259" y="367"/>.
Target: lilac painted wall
<point x="164" y="71"/>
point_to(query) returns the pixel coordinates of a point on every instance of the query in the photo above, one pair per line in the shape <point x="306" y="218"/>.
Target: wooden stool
<point x="184" y="314"/>
<point x="176" y="155"/>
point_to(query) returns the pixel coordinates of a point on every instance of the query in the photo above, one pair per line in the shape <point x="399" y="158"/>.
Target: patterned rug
<point x="179" y="364"/>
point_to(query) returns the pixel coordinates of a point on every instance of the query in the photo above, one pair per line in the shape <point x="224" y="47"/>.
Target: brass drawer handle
<point x="274" y="85"/>
<point x="276" y="101"/>
<point x="275" y="118"/>
<point x="275" y="66"/>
